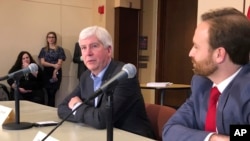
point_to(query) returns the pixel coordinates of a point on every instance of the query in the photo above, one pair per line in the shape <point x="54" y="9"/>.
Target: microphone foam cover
<point x="130" y="69"/>
<point x="33" y="67"/>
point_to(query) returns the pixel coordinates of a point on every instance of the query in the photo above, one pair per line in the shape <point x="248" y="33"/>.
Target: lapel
<point x="88" y="87"/>
<point x="220" y="107"/>
<point x="224" y="98"/>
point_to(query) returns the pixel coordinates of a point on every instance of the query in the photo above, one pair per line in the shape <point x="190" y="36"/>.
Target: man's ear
<point x="220" y="54"/>
<point x="109" y="48"/>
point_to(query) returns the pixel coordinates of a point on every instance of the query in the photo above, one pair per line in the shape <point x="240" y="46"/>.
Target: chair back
<point x="158" y="116"/>
<point x="4" y="92"/>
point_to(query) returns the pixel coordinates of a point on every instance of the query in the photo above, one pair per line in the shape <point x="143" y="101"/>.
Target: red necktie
<point x="211" y="113"/>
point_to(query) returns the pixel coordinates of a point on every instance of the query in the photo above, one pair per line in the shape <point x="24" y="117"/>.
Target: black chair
<point x="4" y="93"/>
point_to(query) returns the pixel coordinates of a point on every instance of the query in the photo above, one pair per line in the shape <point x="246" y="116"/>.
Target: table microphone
<point x="128" y="71"/>
<point x="30" y="69"/>
<point x="17" y="125"/>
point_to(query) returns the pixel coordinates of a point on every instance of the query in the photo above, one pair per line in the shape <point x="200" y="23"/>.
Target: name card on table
<point x="40" y="135"/>
<point x="6" y="115"/>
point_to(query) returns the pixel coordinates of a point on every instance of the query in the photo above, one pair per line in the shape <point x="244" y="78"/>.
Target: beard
<point x="205" y="67"/>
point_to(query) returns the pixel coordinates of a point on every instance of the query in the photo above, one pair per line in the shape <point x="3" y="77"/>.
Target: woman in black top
<point x="52" y="57"/>
<point x="30" y="84"/>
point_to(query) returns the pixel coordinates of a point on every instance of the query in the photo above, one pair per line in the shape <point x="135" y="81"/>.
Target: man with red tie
<point x="221" y="84"/>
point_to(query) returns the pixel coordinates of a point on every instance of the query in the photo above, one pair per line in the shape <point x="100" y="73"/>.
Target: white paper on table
<point x="158" y="84"/>
<point x="40" y="135"/>
<point x="6" y="115"/>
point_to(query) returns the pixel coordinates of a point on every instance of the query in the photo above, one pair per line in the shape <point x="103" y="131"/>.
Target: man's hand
<point x="73" y="101"/>
<point x="219" y="137"/>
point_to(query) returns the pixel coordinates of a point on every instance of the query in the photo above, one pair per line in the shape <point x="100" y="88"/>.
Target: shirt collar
<point x="221" y="86"/>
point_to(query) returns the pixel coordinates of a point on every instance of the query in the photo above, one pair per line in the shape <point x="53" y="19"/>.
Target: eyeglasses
<point x="51" y="37"/>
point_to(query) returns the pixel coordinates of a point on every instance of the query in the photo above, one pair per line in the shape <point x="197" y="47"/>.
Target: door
<point x="177" y="20"/>
<point x="126" y="35"/>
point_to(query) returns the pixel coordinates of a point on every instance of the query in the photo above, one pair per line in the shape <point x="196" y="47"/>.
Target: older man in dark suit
<point x="128" y="111"/>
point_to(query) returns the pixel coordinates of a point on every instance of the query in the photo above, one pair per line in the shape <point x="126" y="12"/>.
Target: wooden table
<point x="163" y="89"/>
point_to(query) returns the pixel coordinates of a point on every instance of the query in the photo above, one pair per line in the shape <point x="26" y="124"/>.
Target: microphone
<point x="128" y="71"/>
<point x="30" y="69"/>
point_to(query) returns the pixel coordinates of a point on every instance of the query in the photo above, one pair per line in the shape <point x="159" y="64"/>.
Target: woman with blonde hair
<point x="51" y="57"/>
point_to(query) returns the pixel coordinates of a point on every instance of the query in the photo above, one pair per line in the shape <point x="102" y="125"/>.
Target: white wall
<point x="25" y="23"/>
<point x="149" y="29"/>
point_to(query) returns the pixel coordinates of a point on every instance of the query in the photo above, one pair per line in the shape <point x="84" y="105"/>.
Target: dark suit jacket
<point x="76" y="59"/>
<point x="128" y="105"/>
<point x="233" y="108"/>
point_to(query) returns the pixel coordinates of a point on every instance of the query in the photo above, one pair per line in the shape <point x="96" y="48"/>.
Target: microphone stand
<point x="110" y="117"/>
<point x="17" y="125"/>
